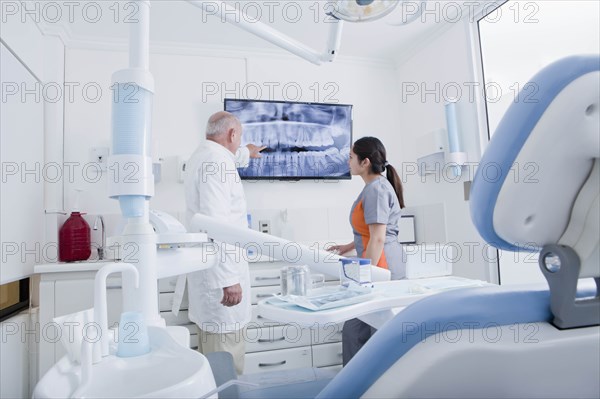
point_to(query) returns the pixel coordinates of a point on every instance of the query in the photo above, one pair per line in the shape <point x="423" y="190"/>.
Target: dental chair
<point x="509" y="341"/>
<point x="518" y="341"/>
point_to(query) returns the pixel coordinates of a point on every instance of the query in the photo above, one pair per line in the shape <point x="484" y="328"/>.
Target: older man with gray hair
<point x="219" y="297"/>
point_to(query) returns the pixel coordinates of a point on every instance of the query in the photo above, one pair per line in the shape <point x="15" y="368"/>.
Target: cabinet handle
<point x="265" y="295"/>
<point x="259" y="317"/>
<point x="267" y="278"/>
<point x="281" y="363"/>
<point x="113" y="287"/>
<point x="262" y="341"/>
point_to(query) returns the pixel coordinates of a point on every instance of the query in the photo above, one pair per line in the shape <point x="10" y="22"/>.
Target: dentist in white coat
<point x="219" y="297"/>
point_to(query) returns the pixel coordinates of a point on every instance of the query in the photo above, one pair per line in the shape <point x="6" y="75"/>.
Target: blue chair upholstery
<point x="453" y="310"/>
<point x="510" y="136"/>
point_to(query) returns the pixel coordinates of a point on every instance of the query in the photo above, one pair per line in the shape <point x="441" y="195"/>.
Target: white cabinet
<point x="23" y="169"/>
<point x="165" y="301"/>
<point x="166" y="289"/>
<point x="276" y="337"/>
<point x="272" y="345"/>
<point x="326" y="355"/>
<point x="259" y="321"/>
<point x="326" y="333"/>
<point x="262" y="277"/>
<point x="283" y="359"/>
<point x="260" y="293"/>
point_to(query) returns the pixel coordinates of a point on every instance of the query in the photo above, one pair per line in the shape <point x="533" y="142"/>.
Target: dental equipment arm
<point x="275" y="247"/>
<point x="231" y="14"/>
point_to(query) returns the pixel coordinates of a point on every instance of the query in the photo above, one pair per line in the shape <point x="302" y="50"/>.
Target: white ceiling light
<point x="362" y="10"/>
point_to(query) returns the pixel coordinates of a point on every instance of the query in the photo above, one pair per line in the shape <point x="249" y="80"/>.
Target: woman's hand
<point x="341" y="249"/>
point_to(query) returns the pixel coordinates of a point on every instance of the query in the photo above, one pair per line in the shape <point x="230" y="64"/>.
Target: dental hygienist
<point x="219" y="297"/>
<point x="374" y="218"/>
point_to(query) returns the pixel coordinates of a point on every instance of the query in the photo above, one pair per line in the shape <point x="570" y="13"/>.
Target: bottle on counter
<point x="74" y="237"/>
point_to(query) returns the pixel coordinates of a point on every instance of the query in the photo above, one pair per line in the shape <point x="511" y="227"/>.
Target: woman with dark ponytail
<point x="374" y="218"/>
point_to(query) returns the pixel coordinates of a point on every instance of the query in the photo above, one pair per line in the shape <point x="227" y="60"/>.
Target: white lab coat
<point x="213" y="188"/>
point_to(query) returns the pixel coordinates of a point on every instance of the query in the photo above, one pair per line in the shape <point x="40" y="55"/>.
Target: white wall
<point x="43" y="57"/>
<point x="436" y="70"/>
<point x="317" y="210"/>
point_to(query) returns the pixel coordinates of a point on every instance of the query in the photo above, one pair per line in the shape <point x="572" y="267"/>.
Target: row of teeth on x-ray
<point x="282" y="135"/>
<point x="329" y="162"/>
<point x="252" y="112"/>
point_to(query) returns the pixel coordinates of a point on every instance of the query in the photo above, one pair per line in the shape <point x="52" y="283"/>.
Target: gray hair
<point x="220" y="123"/>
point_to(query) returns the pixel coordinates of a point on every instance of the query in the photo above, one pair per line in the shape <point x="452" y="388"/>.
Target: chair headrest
<point x="540" y="157"/>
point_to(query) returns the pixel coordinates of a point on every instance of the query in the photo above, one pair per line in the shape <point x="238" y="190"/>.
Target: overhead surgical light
<point x="363" y="10"/>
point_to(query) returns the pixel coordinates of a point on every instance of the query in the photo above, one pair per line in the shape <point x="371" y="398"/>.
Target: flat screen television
<point x="303" y="140"/>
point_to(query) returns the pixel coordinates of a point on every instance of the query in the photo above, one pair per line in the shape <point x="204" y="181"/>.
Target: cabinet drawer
<point x="326" y="333"/>
<point x="283" y="359"/>
<point x="260" y="293"/>
<point x="263" y="277"/>
<point x="272" y="264"/>
<point x="327" y="354"/>
<point x="277" y="337"/>
<point x="167" y="284"/>
<point x="194" y="340"/>
<point x="259" y="321"/>
<point x="165" y="301"/>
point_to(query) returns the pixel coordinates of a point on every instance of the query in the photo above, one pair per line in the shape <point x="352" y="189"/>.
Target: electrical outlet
<point x="264" y="226"/>
<point x="99" y="155"/>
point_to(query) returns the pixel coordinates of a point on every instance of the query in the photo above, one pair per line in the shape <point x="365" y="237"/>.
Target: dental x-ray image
<point x="303" y="140"/>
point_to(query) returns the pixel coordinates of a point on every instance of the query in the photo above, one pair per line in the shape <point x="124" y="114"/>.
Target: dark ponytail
<point x="394" y="180"/>
<point x="373" y="149"/>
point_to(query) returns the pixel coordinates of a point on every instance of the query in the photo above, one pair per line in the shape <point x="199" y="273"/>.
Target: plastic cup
<point x="133" y="335"/>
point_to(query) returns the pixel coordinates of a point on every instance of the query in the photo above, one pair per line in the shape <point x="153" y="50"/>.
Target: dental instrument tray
<point x="329" y="297"/>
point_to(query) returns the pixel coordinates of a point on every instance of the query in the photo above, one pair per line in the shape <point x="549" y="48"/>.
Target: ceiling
<point x="177" y="21"/>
